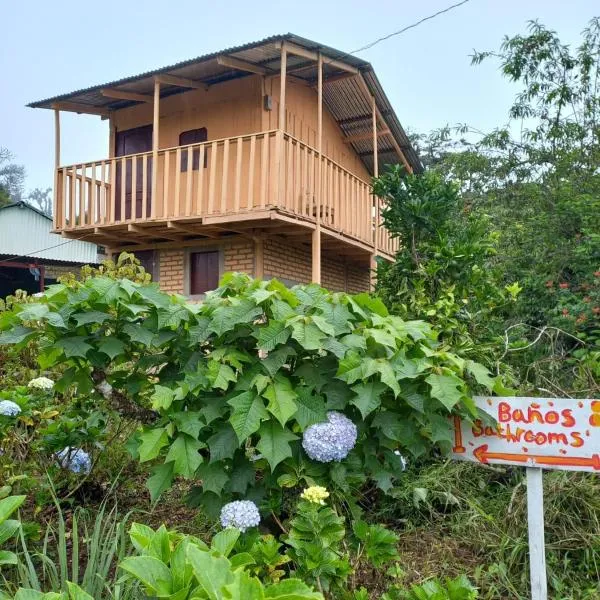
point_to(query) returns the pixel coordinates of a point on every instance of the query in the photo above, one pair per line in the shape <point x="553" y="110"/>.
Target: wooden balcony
<point x="216" y="188"/>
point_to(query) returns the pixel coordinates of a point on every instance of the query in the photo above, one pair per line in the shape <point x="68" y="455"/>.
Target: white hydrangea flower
<point x="333" y="440"/>
<point x="41" y="383"/>
<point x="76" y="460"/>
<point x="8" y="408"/>
<point x="242" y="514"/>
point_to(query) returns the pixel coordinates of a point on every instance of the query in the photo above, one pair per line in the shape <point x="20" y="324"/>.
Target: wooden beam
<point x="311" y="55"/>
<point x="111" y="236"/>
<point x="180" y="82"/>
<point x="361" y="137"/>
<point x="155" y="142"/>
<point x="259" y="257"/>
<point x="123" y="95"/>
<point x="81" y="108"/>
<point x="58" y="200"/>
<point x="334" y="78"/>
<point x="151" y="233"/>
<point x="281" y="123"/>
<point x="242" y="65"/>
<point x="375" y="223"/>
<point x="316" y="237"/>
<point x="365" y="87"/>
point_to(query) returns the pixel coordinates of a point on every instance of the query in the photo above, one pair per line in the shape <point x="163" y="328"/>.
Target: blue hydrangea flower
<point x="74" y="459"/>
<point x="333" y="440"/>
<point x="8" y="408"/>
<point x="242" y="514"/>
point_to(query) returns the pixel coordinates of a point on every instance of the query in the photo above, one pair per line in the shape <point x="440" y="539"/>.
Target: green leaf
<point x="153" y="295"/>
<point x="9" y="505"/>
<point x="162" y="397"/>
<point x="190" y="422"/>
<point x="281" y="398"/>
<point x="442" y="429"/>
<point x="200" y="332"/>
<point x="152" y="441"/>
<point x="447" y="388"/>
<point x="16" y="334"/>
<point x="172" y="316"/>
<point x="90" y="316"/>
<point x="161" y="479"/>
<point x="291" y="589"/>
<point x="368" y="397"/>
<point x="338" y="316"/>
<point x="213" y="573"/>
<point x="311" y="408"/>
<point x="76" y="593"/>
<point x="107" y="289"/>
<point x="481" y="374"/>
<point x="244" y="586"/>
<point x="8" y="529"/>
<point x="323" y="325"/>
<point x="388" y="376"/>
<point x="248" y="413"/>
<point x="33" y="312"/>
<point x="223" y="443"/>
<point x="184" y="453"/>
<point x="220" y="375"/>
<point x="308" y="335"/>
<point x="225" y="318"/>
<point x="274" y="334"/>
<point x="8" y="558"/>
<point x="213" y="477"/>
<point x="277" y="359"/>
<point x="224" y="541"/>
<point x="74" y="346"/>
<point x="354" y="367"/>
<point x="111" y="346"/>
<point x="153" y="573"/>
<point x="274" y="443"/>
<point x="138" y="333"/>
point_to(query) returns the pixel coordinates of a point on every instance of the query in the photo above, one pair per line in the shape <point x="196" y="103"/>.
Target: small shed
<point x="31" y="256"/>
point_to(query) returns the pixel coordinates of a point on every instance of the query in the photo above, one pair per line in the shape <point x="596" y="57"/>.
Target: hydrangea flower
<point x="74" y="459"/>
<point x="242" y="514"/>
<point x="316" y="494"/>
<point x="333" y="440"/>
<point x="8" y="408"/>
<point x="41" y="383"/>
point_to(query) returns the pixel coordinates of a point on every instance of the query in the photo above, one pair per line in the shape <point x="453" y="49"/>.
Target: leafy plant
<point x="376" y="542"/>
<point x="315" y="539"/>
<point x="8" y="527"/>
<point x="459" y="588"/>
<point x="226" y="388"/>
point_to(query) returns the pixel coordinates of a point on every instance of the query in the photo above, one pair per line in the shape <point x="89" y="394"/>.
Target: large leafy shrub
<point x="226" y="388"/>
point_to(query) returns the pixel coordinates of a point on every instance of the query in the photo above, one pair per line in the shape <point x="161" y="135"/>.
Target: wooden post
<point x="58" y="200"/>
<point x="279" y="173"/>
<point x="316" y="236"/>
<point x="259" y="257"/>
<point x="155" y="132"/>
<point x="374" y="223"/>
<point x="535" y="524"/>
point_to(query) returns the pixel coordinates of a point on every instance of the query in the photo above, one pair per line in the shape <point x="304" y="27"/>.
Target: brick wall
<point x="333" y="274"/>
<point x="171" y="270"/>
<point x="239" y="256"/>
<point x="56" y="271"/>
<point x="357" y="279"/>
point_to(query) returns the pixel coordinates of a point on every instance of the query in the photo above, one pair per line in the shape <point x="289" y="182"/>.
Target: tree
<point x="12" y="178"/>
<point x="42" y="199"/>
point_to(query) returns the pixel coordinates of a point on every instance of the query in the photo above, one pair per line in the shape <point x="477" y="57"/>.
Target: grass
<point x="458" y="517"/>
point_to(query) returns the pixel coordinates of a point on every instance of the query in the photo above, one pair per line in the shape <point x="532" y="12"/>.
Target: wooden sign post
<point x="536" y="433"/>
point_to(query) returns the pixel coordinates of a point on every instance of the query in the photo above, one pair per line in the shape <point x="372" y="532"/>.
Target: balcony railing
<point x="222" y="177"/>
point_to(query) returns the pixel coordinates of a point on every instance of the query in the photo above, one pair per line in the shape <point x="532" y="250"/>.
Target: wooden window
<point x="204" y="272"/>
<point x="193" y="136"/>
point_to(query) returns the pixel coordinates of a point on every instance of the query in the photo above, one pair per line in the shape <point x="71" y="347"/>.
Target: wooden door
<point x="133" y="141"/>
<point x="204" y="272"/>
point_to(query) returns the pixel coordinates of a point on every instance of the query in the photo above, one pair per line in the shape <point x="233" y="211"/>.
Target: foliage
<point x="459" y="588"/>
<point x="218" y="412"/>
<point x="12" y="178"/>
<point x="442" y="270"/>
<point x="175" y="566"/>
<point x="127" y="266"/>
<point x="377" y="542"/>
<point x="315" y="537"/>
<point x="8" y="527"/>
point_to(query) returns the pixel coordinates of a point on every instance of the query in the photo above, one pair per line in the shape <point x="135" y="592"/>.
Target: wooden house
<point x="256" y="158"/>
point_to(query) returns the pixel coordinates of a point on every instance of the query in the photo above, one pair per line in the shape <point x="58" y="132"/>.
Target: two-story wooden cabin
<point x="257" y="158"/>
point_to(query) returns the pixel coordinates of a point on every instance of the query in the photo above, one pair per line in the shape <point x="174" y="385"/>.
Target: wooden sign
<point x="537" y="433"/>
<point x="551" y="433"/>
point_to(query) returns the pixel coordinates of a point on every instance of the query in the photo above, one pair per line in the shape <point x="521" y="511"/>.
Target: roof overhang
<point x="350" y="83"/>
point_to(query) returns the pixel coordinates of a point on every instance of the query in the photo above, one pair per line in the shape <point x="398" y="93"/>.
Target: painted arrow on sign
<point x="483" y="456"/>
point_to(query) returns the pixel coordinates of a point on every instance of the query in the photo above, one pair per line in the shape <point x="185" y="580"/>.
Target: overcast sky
<point x="50" y="48"/>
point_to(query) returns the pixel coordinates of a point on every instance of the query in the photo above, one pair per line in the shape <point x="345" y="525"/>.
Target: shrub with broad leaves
<point x="225" y="389"/>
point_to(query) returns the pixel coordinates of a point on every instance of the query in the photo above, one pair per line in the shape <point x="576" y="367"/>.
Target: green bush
<point x="226" y="388"/>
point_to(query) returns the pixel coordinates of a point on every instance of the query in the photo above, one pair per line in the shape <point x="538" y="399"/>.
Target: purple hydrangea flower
<point x="333" y="440"/>
<point x="8" y="408"/>
<point x="242" y="514"/>
<point x="74" y="459"/>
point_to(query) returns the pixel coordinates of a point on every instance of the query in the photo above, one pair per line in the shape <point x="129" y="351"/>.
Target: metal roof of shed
<point x="343" y="97"/>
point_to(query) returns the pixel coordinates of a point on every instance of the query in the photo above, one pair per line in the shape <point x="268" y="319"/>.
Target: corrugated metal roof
<point x="26" y="231"/>
<point x="343" y="98"/>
